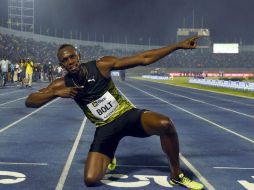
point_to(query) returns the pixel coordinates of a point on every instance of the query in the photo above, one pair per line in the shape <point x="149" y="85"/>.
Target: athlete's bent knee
<point x="90" y="181"/>
<point x="167" y="125"/>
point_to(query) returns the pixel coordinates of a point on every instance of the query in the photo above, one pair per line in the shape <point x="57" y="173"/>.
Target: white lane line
<point x="9" y="92"/>
<point x="68" y="163"/>
<point x="196" y="172"/>
<point x="195" y="100"/>
<point x="13" y="101"/>
<point x="21" y="119"/>
<point x="205" y="95"/>
<point x="20" y="163"/>
<point x="226" y="100"/>
<point x="251" y="98"/>
<point x="187" y="163"/>
<point x="233" y="168"/>
<point x="125" y="97"/>
<point x="202" y="118"/>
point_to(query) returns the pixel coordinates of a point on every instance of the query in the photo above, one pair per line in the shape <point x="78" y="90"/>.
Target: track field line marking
<point x="205" y="95"/>
<point x="203" y="102"/>
<point x="13" y="101"/>
<point x="202" y="118"/>
<point x="7" y="93"/>
<point x="125" y="96"/>
<point x="233" y="168"/>
<point x="68" y="163"/>
<point x="226" y="100"/>
<point x="187" y="163"/>
<point x="196" y="172"/>
<point x="198" y="89"/>
<point x="20" y="163"/>
<point x="21" y="119"/>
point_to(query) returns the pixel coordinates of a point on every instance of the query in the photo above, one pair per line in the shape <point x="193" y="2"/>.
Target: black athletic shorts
<point x="107" y="137"/>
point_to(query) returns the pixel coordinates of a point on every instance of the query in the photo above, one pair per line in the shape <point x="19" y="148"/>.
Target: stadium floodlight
<point x="21" y="15"/>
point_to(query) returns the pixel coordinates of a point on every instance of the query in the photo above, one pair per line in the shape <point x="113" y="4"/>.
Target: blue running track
<point x="45" y="148"/>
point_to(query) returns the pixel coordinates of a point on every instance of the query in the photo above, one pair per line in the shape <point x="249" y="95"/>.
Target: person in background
<point x="59" y="71"/>
<point x="29" y="72"/>
<point x="36" y="72"/>
<point x="22" y="72"/>
<point x="4" y="64"/>
<point x="50" y="72"/>
<point x="16" y="73"/>
<point x="12" y="70"/>
<point x="45" y="71"/>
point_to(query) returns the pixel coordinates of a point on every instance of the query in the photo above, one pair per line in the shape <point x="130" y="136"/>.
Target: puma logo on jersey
<point x="90" y="80"/>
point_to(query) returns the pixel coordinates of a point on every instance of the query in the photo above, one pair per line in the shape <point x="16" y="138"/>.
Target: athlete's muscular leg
<point x="95" y="167"/>
<point x="157" y="124"/>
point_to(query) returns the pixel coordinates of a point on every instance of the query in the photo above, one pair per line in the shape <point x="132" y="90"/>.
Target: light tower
<point x="21" y="15"/>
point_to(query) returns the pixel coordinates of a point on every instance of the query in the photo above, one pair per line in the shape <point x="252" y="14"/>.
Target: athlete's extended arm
<point x="56" y="89"/>
<point x="146" y="57"/>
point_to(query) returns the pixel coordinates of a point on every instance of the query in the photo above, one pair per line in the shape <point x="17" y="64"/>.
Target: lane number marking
<point x="12" y="177"/>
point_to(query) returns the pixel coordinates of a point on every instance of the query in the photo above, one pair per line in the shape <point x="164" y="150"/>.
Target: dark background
<point x="137" y="21"/>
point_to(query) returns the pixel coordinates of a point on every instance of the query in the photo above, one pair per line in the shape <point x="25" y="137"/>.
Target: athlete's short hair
<point x="62" y="47"/>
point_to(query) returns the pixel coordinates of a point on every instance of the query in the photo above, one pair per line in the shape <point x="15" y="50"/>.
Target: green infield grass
<point x="183" y="81"/>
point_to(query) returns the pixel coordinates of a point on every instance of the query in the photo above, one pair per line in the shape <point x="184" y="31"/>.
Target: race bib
<point x="103" y="107"/>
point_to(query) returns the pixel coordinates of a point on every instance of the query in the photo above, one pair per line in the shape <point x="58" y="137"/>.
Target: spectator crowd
<point x="23" y="61"/>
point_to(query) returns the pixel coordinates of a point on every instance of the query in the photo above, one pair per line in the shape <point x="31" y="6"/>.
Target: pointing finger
<point x="197" y="37"/>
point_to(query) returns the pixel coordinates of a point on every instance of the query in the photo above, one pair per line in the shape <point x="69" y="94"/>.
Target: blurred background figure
<point x="50" y="72"/>
<point x="11" y="72"/>
<point x="59" y="71"/>
<point x="122" y="75"/>
<point x="36" y="72"/>
<point x="45" y="72"/>
<point x="16" y="72"/>
<point x="4" y="64"/>
<point x="29" y="72"/>
<point x="22" y="72"/>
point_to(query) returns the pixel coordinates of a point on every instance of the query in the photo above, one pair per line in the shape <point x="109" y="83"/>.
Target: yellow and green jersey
<point x="100" y="100"/>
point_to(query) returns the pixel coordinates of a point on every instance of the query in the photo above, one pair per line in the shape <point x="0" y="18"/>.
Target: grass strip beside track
<point x="183" y="82"/>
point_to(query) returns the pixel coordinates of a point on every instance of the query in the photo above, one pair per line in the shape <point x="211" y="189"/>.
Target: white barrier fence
<point x="157" y="77"/>
<point x="224" y="84"/>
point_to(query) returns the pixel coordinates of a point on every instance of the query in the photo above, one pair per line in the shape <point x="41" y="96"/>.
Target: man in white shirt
<point x="4" y="64"/>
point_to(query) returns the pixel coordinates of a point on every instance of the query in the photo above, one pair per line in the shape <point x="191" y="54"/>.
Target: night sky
<point x="139" y="20"/>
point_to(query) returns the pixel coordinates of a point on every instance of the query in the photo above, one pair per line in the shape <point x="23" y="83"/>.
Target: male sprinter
<point x="92" y="88"/>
